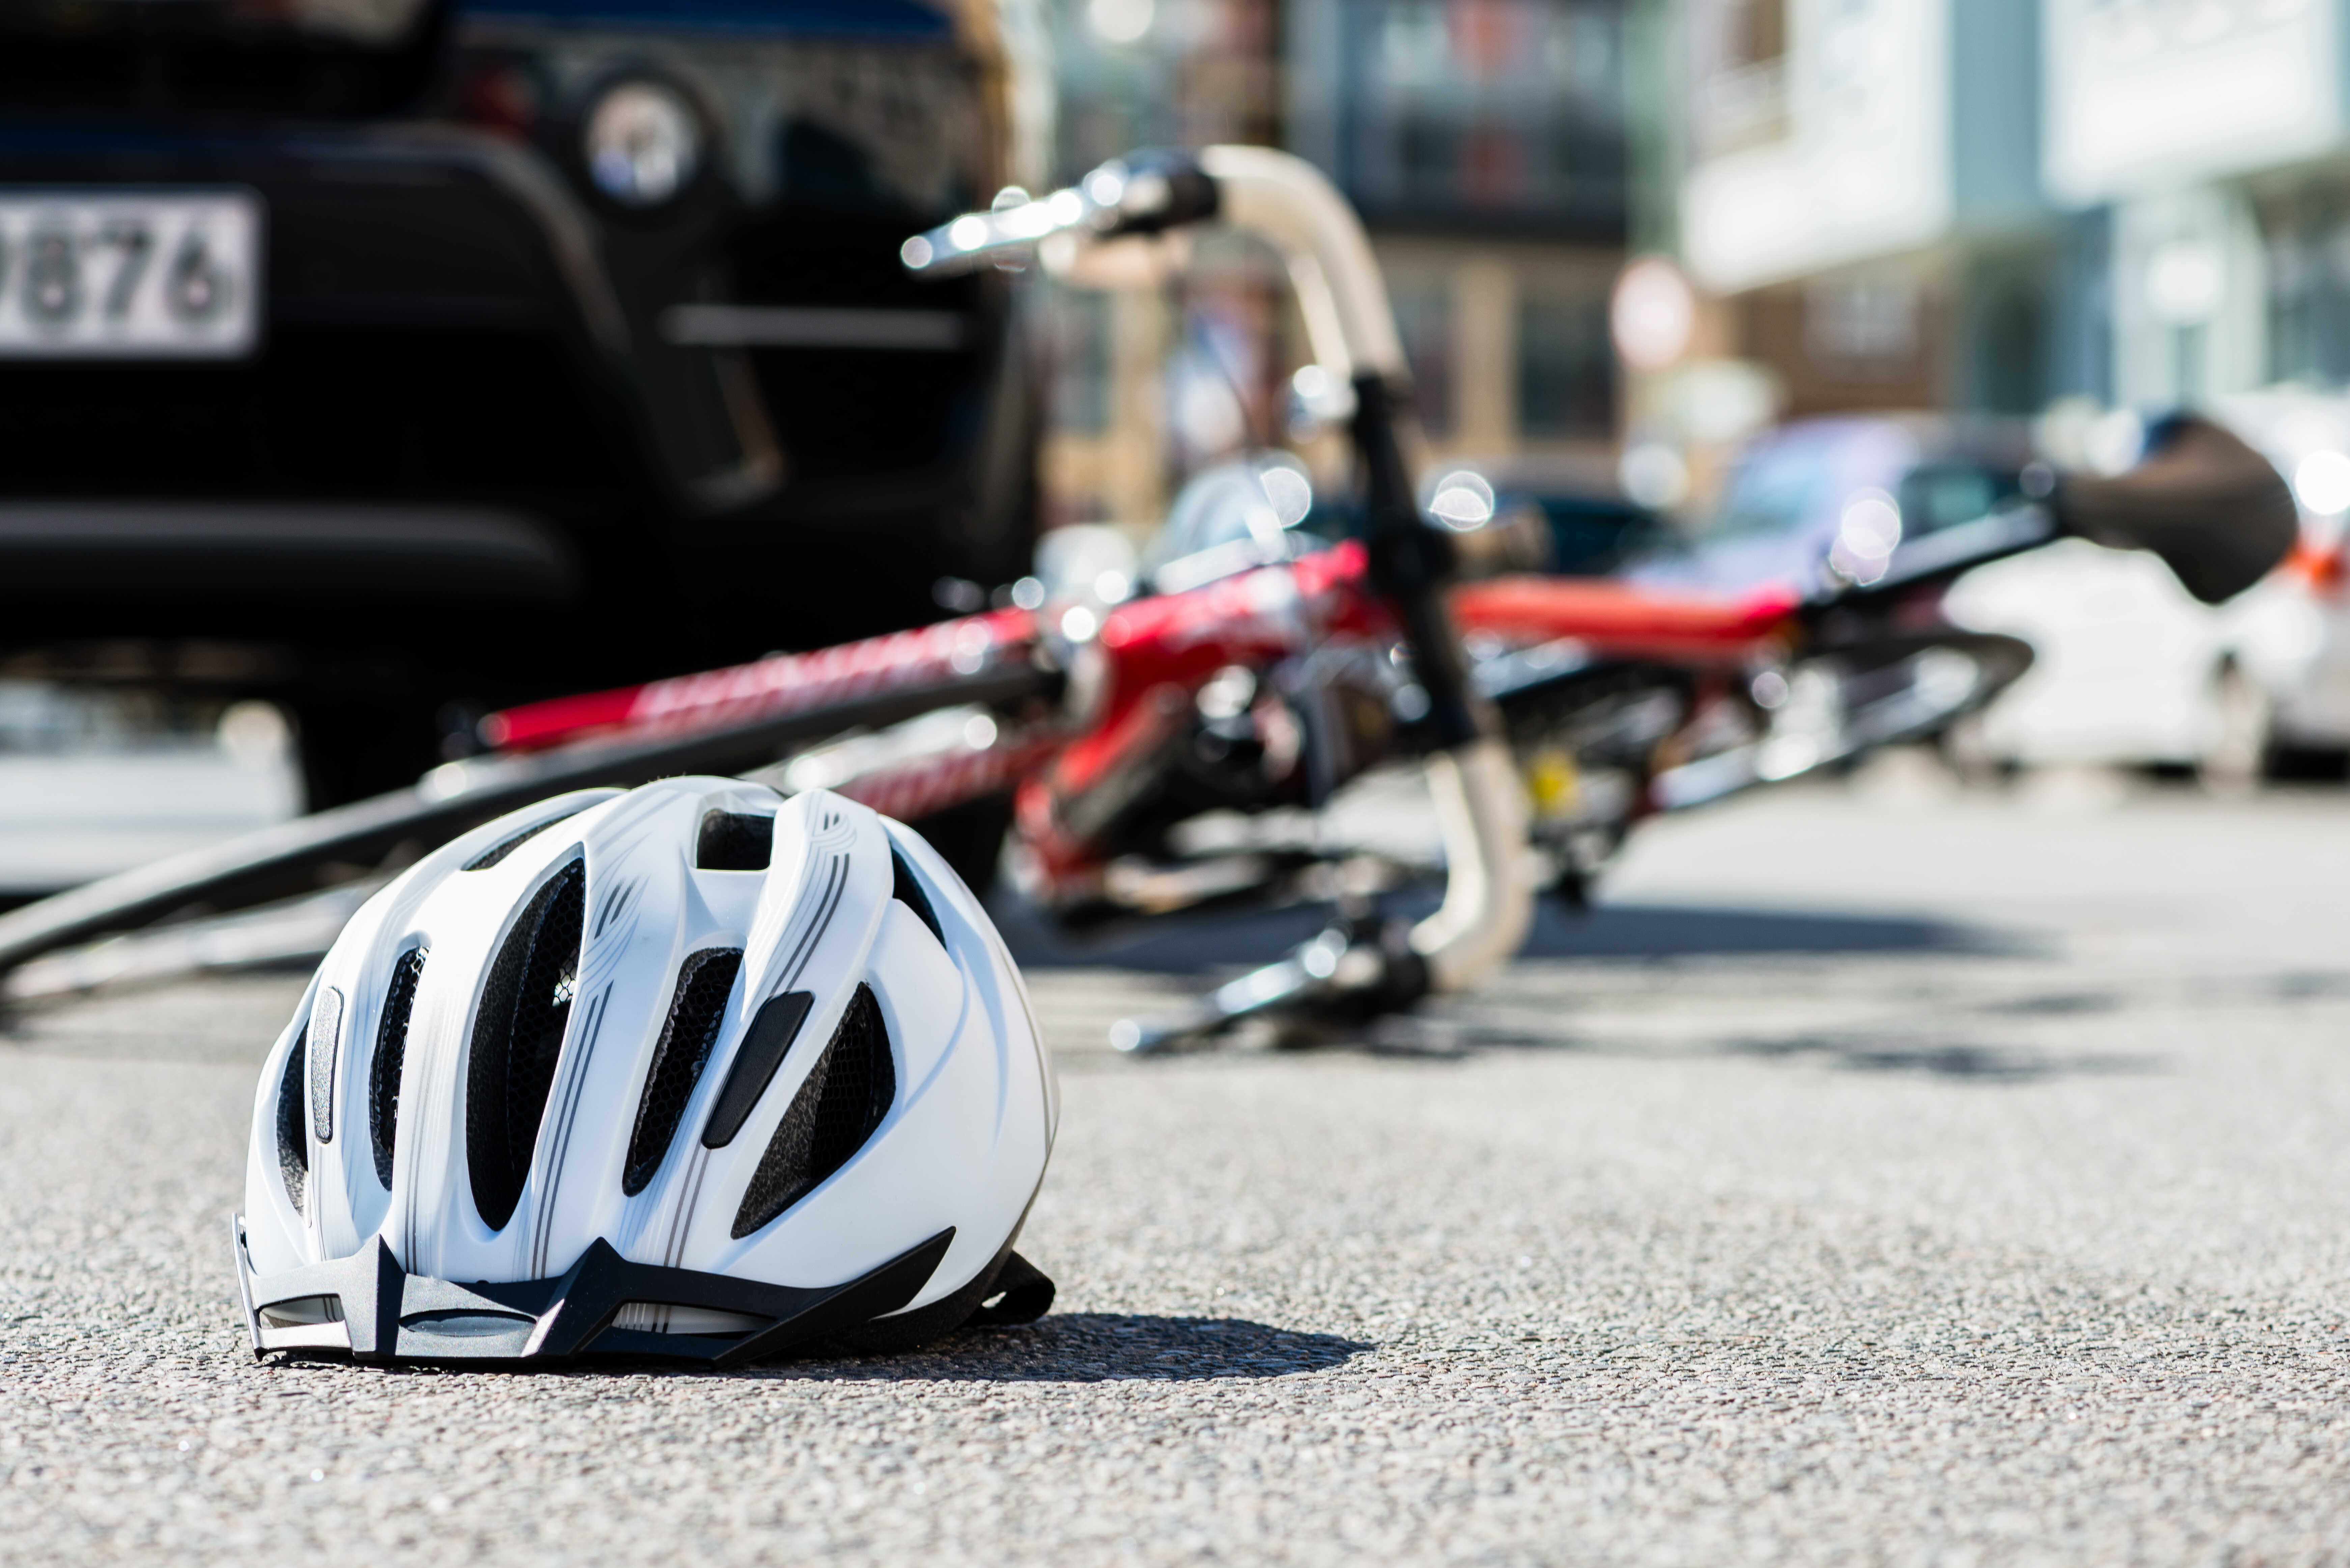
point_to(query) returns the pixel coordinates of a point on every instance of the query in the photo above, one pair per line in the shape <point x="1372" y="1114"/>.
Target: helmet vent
<point x="910" y="892"/>
<point x="735" y="841"/>
<point x="511" y="842"/>
<point x="293" y="1142"/>
<point x="325" y="1027"/>
<point x="518" y="1039"/>
<point x="702" y="986"/>
<point x="844" y="1098"/>
<point x="390" y="1051"/>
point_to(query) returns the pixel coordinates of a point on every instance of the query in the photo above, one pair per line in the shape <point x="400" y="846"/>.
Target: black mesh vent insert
<point x="703" y="987"/>
<point x="390" y="1051"/>
<point x="735" y="841"/>
<point x="910" y="892"/>
<point x="293" y="1136"/>
<point x="846" y="1097"/>
<point x="517" y="1039"/>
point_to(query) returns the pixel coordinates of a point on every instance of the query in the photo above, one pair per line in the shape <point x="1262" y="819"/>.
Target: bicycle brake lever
<point x="1353" y="970"/>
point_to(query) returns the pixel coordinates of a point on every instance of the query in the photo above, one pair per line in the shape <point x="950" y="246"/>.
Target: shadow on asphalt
<point x="2302" y="985"/>
<point x="1097" y="1347"/>
<point x="1672" y="931"/>
<point x="1061" y="1347"/>
<point x="1196" y="942"/>
<point x="1981" y="1064"/>
<point x="1964" y="1061"/>
<point x="1206" y="942"/>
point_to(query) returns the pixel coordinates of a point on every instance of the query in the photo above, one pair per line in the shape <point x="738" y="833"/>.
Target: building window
<point x="1738" y="64"/>
<point x="1863" y="328"/>
<point x="1079" y="326"/>
<point x="2306" y="238"/>
<point x="1506" y="112"/>
<point x="1567" y="367"/>
<point x="1424" y="317"/>
<point x="1761" y="29"/>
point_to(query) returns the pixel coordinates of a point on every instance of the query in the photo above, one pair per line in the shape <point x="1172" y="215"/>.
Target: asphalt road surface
<point x="1919" y="1181"/>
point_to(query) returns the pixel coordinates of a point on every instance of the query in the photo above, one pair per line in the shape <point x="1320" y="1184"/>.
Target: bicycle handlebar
<point x="1288" y="203"/>
<point x="1144" y="193"/>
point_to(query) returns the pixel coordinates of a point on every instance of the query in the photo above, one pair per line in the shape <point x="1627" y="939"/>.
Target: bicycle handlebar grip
<point x="1151" y="191"/>
<point x="2214" y="511"/>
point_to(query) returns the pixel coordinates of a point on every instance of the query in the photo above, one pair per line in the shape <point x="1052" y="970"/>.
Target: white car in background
<point x="2131" y="670"/>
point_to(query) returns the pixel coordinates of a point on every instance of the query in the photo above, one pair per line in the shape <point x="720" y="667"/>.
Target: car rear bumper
<point x="378" y="241"/>
<point x="465" y="388"/>
<point x="160" y="551"/>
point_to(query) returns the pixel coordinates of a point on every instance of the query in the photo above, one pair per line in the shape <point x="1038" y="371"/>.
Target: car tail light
<point x="501" y="95"/>
<point x="2319" y="564"/>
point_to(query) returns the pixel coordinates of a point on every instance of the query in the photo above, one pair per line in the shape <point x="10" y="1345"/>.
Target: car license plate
<point x="90" y="274"/>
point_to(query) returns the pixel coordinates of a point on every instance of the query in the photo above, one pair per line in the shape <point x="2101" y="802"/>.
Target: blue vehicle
<point x="386" y="357"/>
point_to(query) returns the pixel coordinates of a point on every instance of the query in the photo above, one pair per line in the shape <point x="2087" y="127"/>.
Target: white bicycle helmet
<point x="689" y="1070"/>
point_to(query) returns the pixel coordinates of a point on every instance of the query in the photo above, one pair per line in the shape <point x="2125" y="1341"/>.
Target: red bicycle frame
<point x="1137" y="678"/>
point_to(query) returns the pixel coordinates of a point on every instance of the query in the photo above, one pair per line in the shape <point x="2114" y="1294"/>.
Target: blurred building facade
<point x="2215" y="143"/>
<point x="1993" y="205"/>
<point x="1858" y="182"/>
<point x="1484" y="140"/>
<point x="1990" y="206"/>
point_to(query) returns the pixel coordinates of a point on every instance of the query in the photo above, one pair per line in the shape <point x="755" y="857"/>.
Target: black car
<point x="1568" y="514"/>
<point x="386" y="357"/>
